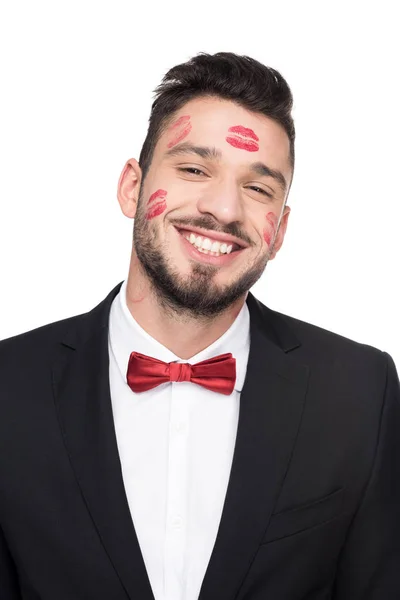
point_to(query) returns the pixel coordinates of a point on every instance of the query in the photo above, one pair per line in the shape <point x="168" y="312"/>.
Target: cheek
<point x="270" y="229"/>
<point x="157" y="210"/>
<point x="179" y="130"/>
<point x="156" y="204"/>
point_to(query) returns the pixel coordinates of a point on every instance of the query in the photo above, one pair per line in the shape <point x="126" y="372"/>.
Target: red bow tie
<point x="217" y="374"/>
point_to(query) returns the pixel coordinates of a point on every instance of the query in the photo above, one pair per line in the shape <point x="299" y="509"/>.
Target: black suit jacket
<point x="312" y="510"/>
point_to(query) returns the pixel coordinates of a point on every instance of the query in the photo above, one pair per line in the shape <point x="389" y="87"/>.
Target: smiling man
<point x="182" y="440"/>
<point x="206" y="219"/>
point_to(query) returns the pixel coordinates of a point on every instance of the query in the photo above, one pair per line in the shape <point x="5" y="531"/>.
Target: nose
<point x="222" y="200"/>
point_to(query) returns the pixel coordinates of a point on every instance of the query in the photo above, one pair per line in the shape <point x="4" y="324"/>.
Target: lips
<point x="243" y="138"/>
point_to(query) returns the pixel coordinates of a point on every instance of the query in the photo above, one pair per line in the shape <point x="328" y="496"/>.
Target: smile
<point x="204" y="249"/>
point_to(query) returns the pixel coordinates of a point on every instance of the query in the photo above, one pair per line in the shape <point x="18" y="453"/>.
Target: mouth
<point x="218" y="254"/>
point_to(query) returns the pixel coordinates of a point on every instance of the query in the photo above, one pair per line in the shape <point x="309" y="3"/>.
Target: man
<point x="181" y="440"/>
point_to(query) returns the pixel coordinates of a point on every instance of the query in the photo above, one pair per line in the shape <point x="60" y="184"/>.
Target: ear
<point x="129" y="187"/>
<point x="281" y="232"/>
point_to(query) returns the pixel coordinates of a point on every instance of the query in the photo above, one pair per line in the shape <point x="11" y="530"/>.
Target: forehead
<point x="211" y="119"/>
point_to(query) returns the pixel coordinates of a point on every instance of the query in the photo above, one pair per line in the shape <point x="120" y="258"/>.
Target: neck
<point x="182" y="333"/>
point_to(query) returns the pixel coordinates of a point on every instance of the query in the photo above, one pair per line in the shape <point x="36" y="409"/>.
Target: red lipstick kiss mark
<point x="244" y="138"/>
<point x="156" y="208"/>
<point x="180" y="129"/>
<point x="269" y="233"/>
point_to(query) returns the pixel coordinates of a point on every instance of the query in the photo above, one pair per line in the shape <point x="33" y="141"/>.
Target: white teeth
<point x="207" y="245"/>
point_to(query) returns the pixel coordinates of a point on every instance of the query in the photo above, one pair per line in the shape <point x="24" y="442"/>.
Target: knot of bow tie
<point x="217" y="374"/>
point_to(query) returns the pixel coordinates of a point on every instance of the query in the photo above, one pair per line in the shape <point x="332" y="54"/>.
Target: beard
<point x="192" y="296"/>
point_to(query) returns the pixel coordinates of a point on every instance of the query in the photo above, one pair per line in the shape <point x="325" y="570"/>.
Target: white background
<point x="77" y="81"/>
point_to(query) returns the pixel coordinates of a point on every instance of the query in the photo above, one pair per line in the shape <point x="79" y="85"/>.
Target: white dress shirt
<point x="175" y="444"/>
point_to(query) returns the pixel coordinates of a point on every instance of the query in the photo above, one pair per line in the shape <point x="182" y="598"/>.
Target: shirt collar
<point x="126" y="336"/>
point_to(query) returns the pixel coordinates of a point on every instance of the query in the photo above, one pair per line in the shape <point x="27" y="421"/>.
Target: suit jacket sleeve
<point x="369" y="566"/>
<point x="9" y="588"/>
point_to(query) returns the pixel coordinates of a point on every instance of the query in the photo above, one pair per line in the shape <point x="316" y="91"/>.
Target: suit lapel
<point x="271" y="405"/>
<point x="83" y="402"/>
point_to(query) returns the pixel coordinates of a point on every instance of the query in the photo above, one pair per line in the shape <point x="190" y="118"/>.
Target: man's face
<point x="208" y="179"/>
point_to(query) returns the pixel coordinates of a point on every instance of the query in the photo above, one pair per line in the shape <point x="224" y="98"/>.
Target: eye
<point x="191" y="170"/>
<point x="260" y="190"/>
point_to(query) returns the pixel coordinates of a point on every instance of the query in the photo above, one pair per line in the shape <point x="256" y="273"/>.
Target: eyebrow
<point x="207" y="152"/>
<point x="212" y="153"/>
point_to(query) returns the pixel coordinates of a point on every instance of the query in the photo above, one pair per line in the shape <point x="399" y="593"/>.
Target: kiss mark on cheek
<point x="243" y="138"/>
<point x="179" y="130"/>
<point x="156" y="205"/>
<point x="270" y="230"/>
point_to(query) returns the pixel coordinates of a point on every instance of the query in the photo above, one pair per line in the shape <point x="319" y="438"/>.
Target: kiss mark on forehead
<point x="270" y="230"/>
<point x="156" y="204"/>
<point x="243" y="138"/>
<point x="179" y="130"/>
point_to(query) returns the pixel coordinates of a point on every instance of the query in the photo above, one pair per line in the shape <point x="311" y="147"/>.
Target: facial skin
<point x="217" y="195"/>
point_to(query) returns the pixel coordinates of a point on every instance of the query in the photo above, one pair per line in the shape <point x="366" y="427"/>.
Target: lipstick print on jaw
<point x="180" y="129"/>
<point x="269" y="232"/>
<point x="156" y="205"/>
<point x="243" y="138"/>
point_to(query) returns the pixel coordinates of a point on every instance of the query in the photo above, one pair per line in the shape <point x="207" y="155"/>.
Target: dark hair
<point x="241" y="79"/>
